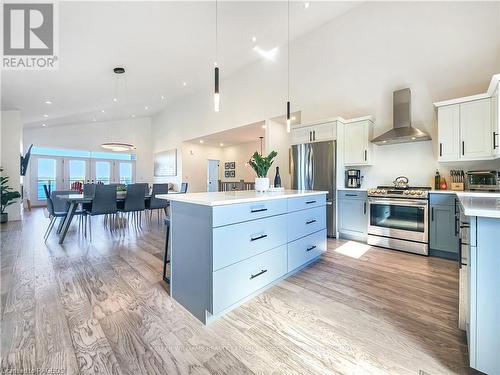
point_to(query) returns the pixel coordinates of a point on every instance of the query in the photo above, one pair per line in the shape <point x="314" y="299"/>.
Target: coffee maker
<point x="353" y="178"/>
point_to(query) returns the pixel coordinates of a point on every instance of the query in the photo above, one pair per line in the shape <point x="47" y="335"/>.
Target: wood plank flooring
<point x="102" y="308"/>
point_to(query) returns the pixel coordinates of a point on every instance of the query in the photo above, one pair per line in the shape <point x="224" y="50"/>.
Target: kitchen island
<point x="480" y="278"/>
<point x="226" y="247"/>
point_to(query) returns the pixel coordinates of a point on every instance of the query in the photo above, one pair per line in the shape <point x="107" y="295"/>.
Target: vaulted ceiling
<point x="167" y="49"/>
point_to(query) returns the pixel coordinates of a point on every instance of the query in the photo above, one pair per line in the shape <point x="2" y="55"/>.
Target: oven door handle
<point x="402" y="202"/>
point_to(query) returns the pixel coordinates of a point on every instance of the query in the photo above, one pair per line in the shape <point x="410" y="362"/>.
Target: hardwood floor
<point x="102" y="308"/>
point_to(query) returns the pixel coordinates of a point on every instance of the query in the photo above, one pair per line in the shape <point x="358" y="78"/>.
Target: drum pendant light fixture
<point x="216" y="70"/>
<point x="288" y="118"/>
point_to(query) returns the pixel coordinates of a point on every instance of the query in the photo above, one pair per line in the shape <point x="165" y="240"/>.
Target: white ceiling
<point x="161" y="45"/>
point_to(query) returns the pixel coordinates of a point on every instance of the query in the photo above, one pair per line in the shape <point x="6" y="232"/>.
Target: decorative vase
<point x="261" y="183"/>
<point x="4" y="217"/>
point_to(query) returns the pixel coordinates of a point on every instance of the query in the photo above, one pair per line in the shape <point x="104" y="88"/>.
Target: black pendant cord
<point x="288" y="70"/>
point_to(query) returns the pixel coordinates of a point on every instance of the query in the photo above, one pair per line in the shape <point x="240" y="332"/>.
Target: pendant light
<point x="288" y="118"/>
<point x="117" y="146"/>
<point x="216" y="70"/>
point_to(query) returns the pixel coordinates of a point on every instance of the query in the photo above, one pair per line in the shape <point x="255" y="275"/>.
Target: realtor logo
<point x="29" y="36"/>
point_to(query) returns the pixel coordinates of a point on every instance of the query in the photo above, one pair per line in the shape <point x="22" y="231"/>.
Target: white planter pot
<point x="261" y="184"/>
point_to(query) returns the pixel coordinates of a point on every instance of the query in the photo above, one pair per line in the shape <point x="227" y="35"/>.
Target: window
<point x="82" y="154"/>
<point x="46" y="176"/>
<point x="77" y="171"/>
<point x="103" y="172"/>
<point x="125" y="173"/>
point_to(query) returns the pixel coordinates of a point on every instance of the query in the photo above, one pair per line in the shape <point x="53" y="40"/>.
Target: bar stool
<point x="166" y="260"/>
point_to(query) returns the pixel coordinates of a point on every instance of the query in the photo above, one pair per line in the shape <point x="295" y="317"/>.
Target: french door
<point x="60" y="173"/>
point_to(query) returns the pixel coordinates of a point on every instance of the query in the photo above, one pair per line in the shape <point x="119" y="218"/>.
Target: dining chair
<point x="157" y="203"/>
<point x="134" y="202"/>
<point x="184" y="187"/>
<point x="104" y="203"/>
<point x="57" y="211"/>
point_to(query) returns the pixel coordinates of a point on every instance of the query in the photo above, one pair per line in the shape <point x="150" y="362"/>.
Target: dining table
<point x="74" y="201"/>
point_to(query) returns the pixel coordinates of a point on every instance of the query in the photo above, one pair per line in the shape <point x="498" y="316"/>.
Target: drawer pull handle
<point x="257" y="274"/>
<point x="310" y="221"/>
<point x="311" y="248"/>
<point x="351" y="195"/>
<point x="258" y="238"/>
<point x="259" y="210"/>
<point x="464" y="226"/>
<point x="310" y="202"/>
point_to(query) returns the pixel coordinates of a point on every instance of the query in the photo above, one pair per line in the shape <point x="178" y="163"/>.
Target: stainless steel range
<point x="398" y="217"/>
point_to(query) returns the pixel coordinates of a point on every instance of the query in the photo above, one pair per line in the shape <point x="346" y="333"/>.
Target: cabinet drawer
<point x="236" y="213"/>
<point x="443" y="199"/>
<point x="306" y="249"/>
<point x="239" y="280"/>
<point x="302" y="223"/>
<point x="353" y="194"/>
<point x="301" y="203"/>
<point x="233" y="243"/>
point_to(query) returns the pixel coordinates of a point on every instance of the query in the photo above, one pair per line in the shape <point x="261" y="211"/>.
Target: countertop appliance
<point x="398" y="217"/>
<point x="313" y="168"/>
<point x="353" y="178"/>
<point x="483" y="180"/>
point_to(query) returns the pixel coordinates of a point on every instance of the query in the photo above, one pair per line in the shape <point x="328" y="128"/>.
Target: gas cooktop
<point x="420" y="192"/>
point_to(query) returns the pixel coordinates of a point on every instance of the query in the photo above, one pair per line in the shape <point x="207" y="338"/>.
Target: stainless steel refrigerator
<point x="313" y="168"/>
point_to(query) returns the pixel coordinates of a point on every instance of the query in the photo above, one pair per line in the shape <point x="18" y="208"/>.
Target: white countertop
<point x="482" y="206"/>
<point x="232" y="197"/>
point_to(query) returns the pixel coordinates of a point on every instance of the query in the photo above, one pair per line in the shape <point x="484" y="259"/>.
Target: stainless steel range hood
<point x="402" y="131"/>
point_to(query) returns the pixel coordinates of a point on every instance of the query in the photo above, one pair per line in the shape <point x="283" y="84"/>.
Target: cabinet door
<point x="475" y="129"/>
<point x="323" y="132"/>
<point x="352" y="216"/>
<point x="356" y="144"/>
<point x="443" y="234"/>
<point x="449" y="132"/>
<point x="495" y="120"/>
<point x="301" y="135"/>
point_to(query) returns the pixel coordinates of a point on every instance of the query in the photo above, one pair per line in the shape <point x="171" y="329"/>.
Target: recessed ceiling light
<point x="44" y="125"/>
<point x="184" y="83"/>
<point x="293" y="118"/>
<point x="146" y="107"/>
<point x="133" y="115"/>
<point x="45" y="115"/>
<point x="221" y="144"/>
<point x="163" y="97"/>
<point x="264" y="126"/>
<point x="48" y="102"/>
<point x="103" y="111"/>
<point x="201" y="140"/>
<point x="307" y="4"/>
<point x="254" y="39"/>
<point x="115" y="100"/>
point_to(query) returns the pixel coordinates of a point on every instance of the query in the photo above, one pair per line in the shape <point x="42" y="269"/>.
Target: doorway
<point x="212" y="175"/>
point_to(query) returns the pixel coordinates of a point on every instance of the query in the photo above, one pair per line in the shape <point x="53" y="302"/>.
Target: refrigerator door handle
<point x="312" y="168"/>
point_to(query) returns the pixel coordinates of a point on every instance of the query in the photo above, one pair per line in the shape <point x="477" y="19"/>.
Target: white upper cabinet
<point x="475" y="130"/>
<point x="357" y="143"/>
<point x="449" y="132"/>
<point x="314" y="133"/>
<point x="468" y="128"/>
<point x="495" y="120"/>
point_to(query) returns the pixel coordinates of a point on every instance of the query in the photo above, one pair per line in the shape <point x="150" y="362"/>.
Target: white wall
<point x="90" y="136"/>
<point x="194" y="164"/>
<point x="11" y="143"/>
<point x="240" y="154"/>
<point x="350" y="67"/>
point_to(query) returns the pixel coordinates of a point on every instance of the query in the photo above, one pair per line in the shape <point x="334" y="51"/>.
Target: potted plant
<point x="8" y="197"/>
<point x="261" y="165"/>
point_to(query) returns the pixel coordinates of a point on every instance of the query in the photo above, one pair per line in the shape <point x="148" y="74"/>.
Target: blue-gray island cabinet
<point x="226" y="247"/>
<point x="480" y="216"/>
